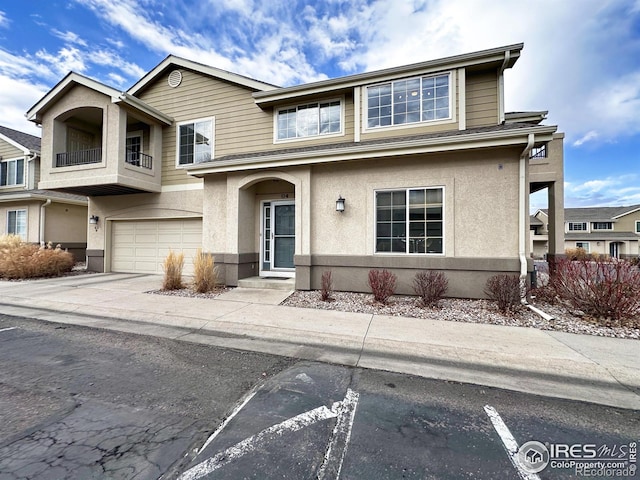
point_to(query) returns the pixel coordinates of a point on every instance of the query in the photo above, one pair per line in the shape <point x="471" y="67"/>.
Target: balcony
<point x="138" y="159"/>
<point x="82" y="157"/>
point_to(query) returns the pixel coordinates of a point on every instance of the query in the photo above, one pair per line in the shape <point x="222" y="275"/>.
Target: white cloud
<point x="67" y="59"/>
<point x="13" y="107"/>
<point x="617" y="190"/>
<point x="69" y="37"/>
<point x="4" y="21"/>
<point x="590" y="135"/>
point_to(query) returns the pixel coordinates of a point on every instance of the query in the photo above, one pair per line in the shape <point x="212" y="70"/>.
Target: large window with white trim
<point x="17" y="223"/>
<point x="602" y="225"/>
<point x="410" y="221"/>
<point x="12" y="172"/>
<point x="410" y="100"/>
<point x="584" y="246"/>
<point x="195" y="141"/>
<point x="637" y="226"/>
<point x="577" y="226"/>
<point x="312" y="119"/>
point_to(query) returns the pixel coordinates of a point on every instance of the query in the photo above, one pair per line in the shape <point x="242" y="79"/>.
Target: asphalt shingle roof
<point x="26" y="140"/>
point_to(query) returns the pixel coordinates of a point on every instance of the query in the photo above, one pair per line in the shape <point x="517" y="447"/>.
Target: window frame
<point x="15" y="172"/>
<point x="16" y="211"/>
<point x="609" y="226"/>
<point x="581" y="245"/>
<point x="571" y="224"/>
<point x="451" y="118"/>
<point x="637" y="226"/>
<point x="211" y="119"/>
<point x="297" y="106"/>
<point x="407" y="220"/>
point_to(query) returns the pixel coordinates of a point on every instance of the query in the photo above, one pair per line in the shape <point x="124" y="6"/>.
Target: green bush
<point x="21" y="260"/>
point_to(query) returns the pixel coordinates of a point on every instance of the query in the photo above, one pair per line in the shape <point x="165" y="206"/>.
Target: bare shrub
<point x="173" y="265"/>
<point x="205" y="272"/>
<point x="21" y="260"/>
<point x="604" y="289"/>
<point x="326" y="286"/>
<point x="505" y="291"/>
<point x="383" y="284"/>
<point x="430" y="286"/>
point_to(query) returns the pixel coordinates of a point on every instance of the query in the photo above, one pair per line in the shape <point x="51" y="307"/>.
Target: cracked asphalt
<point x="78" y="403"/>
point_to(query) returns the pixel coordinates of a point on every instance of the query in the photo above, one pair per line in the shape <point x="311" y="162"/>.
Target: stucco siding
<point x="477" y="186"/>
<point x="482" y="99"/>
<point x="65" y="223"/>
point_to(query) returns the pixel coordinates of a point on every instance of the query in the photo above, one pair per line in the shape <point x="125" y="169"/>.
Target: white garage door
<point x="141" y="246"/>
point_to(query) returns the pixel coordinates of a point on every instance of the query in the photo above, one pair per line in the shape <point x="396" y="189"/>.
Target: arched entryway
<point x="269" y="223"/>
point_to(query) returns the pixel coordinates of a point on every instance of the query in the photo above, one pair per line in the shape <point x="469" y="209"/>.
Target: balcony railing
<point x="81" y="157"/>
<point x="139" y="159"/>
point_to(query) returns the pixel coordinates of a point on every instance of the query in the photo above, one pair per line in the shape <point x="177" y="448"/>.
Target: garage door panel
<point x="141" y="246"/>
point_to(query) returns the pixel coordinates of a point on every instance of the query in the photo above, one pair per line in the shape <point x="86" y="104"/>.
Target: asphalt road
<point x="79" y="403"/>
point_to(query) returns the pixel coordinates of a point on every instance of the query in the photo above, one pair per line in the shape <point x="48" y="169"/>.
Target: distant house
<point x="613" y="231"/>
<point x="399" y="168"/>
<point x="38" y="216"/>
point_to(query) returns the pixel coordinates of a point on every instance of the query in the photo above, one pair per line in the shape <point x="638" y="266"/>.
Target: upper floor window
<point x="412" y="100"/>
<point x="322" y="118"/>
<point x="538" y="152"/>
<point x="17" y="223"/>
<point x="637" y="226"/>
<point x="602" y="225"/>
<point x="410" y="221"/>
<point x="195" y="141"/>
<point x="577" y="226"/>
<point x="12" y="172"/>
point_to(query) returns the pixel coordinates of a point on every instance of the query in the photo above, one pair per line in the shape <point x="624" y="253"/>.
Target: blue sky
<point x="581" y="59"/>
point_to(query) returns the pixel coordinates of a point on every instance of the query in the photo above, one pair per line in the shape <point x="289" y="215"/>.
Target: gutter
<point x="42" y="207"/>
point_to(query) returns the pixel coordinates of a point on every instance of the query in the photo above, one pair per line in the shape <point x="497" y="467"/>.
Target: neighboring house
<point x="37" y="216"/>
<point x="613" y="231"/>
<point x="399" y="168"/>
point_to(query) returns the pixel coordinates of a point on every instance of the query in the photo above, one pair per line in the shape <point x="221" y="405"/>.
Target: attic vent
<point x="175" y="78"/>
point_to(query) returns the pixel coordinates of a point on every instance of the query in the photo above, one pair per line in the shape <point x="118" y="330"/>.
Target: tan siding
<point x="8" y="151"/>
<point x="482" y="99"/>
<point x="627" y="223"/>
<point x="240" y="125"/>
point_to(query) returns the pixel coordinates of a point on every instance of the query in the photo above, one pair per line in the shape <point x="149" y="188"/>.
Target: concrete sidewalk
<point x="578" y="367"/>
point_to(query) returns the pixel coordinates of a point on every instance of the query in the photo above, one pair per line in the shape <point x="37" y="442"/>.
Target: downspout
<point x="522" y="233"/>
<point x="27" y="172"/>
<point x="503" y="67"/>
<point x="42" y="207"/>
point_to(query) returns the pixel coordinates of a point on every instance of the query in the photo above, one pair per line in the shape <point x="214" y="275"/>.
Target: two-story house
<point x="613" y="231"/>
<point x="38" y="216"/>
<point x="398" y="168"/>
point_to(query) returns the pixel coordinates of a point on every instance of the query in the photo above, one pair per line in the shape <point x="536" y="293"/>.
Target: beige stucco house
<point x="399" y="168"/>
<point x="613" y="231"/>
<point x="38" y="216"/>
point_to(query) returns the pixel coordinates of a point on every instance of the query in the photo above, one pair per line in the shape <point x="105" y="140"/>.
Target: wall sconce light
<point x="93" y="220"/>
<point x="340" y="204"/>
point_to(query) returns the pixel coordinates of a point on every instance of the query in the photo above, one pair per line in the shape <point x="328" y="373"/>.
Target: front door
<point x="278" y="239"/>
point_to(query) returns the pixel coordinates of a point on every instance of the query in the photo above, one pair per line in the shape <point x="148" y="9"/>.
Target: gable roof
<point x="72" y="79"/>
<point x="597" y="214"/>
<point x="23" y="141"/>
<point x="501" y="57"/>
<point x="175" y="61"/>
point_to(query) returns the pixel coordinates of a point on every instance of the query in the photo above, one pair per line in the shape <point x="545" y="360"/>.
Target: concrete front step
<point x="268" y="282"/>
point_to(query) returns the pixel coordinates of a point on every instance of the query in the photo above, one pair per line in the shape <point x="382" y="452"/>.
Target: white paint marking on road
<point x="7" y="329"/>
<point x="226" y="422"/>
<point x="510" y="444"/>
<point x="250" y="444"/>
<point x="340" y="438"/>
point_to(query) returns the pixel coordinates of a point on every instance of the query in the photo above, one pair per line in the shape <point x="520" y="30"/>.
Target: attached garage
<point x="141" y="246"/>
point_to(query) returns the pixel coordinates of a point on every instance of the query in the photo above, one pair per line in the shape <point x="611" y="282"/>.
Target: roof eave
<point x="458" y="61"/>
<point x="375" y="150"/>
<point x="19" y="146"/>
<point x="198" y="67"/>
